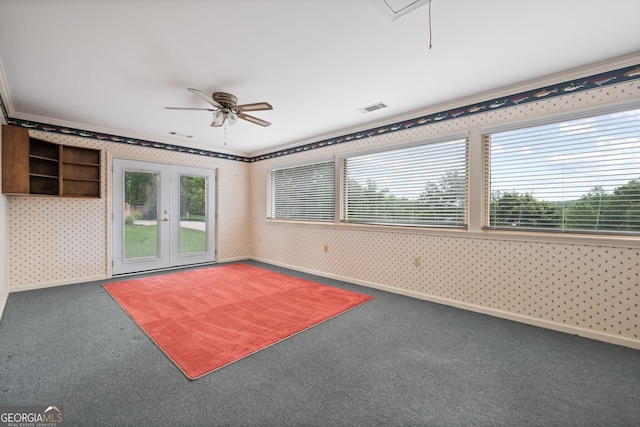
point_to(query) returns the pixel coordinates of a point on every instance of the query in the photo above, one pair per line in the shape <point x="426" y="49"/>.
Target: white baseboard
<point x="77" y="280"/>
<point x="73" y="281"/>
<point x="573" y="330"/>
<point x="236" y="259"/>
<point x="3" y="304"/>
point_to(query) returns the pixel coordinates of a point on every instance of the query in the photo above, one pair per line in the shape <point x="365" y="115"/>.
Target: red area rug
<point x="208" y="318"/>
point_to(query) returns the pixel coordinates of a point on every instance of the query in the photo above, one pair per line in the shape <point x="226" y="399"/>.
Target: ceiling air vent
<point x="400" y="8"/>
<point x="371" y="108"/>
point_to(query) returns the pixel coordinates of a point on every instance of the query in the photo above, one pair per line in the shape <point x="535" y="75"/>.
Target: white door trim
<point x="170" y="258"/>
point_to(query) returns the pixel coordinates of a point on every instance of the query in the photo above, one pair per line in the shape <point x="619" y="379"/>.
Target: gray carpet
<point x="395" y="361"/>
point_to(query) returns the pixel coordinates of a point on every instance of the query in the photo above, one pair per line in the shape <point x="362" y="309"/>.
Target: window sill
<point x="520" y="236"/>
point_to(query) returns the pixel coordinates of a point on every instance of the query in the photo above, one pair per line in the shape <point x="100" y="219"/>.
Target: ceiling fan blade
<point x="254" y="107"/>
<point x="189" y="108"/>
<point x="204" y="96"/>
<point x="254" y="119"/>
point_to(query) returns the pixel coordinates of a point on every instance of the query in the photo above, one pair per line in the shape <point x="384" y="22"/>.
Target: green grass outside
<point x="193" y="217"/>
<point x="140" y="241"/>
<point x="192" y="241"/>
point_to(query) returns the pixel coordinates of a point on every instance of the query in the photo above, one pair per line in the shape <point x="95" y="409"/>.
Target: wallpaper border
<point x="577" y="85"/>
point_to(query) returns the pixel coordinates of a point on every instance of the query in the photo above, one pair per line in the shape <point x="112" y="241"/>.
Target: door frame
<point x="109" y="205"/>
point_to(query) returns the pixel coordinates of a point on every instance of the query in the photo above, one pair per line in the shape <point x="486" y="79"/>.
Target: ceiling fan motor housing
<point x="225" y="99"/>
<point x="226" y="109"/>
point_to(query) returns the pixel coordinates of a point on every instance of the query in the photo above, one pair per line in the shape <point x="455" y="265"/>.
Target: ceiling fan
<point x="226" y="109"/>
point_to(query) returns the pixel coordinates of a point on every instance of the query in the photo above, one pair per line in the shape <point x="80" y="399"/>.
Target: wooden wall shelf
<point x="36" y="167"/>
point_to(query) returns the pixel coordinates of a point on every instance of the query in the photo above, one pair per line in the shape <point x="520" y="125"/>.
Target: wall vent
<point x="373" y="107"/>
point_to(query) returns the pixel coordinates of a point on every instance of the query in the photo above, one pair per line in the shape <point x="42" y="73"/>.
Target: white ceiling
<point x="112" y="66"/>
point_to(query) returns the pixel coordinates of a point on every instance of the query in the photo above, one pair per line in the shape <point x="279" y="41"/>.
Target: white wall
<point x="585" y="286"/>
<point x="4" y="244"/>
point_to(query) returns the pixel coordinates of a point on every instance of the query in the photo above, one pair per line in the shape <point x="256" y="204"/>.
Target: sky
<point x="564" y="161"/>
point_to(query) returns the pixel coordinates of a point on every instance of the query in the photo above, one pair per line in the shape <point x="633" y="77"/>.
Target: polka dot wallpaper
<point x="4" y="238"/>
<point x="61" y="240"/>
<point x="586" y="288"/>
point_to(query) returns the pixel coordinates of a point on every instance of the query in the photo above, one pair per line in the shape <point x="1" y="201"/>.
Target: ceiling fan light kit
<point x="226" y="109"/>
<point x="220" y="116"/>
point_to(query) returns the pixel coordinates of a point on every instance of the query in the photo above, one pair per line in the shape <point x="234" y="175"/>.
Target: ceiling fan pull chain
<point x="430" y="35"/>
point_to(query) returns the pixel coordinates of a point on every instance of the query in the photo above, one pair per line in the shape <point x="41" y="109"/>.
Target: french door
<point x="163" y="216"/>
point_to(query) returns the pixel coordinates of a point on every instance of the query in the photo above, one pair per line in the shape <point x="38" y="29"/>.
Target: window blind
<point x="419" y="185"/>
<point x="303" y="192"/>
<point x="582" y="175"/>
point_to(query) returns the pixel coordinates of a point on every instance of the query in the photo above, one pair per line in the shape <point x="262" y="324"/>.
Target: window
<point x="576" y="175"/>
<point x="419" y="185"/>
<point x="303" y="192"/>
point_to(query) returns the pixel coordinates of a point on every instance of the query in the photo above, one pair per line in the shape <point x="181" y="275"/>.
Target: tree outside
<point x="444" y="203"/>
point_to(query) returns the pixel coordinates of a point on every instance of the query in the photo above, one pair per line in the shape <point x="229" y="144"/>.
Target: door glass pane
<point x="140" y="214"/>
<point x="193" y="205"/>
